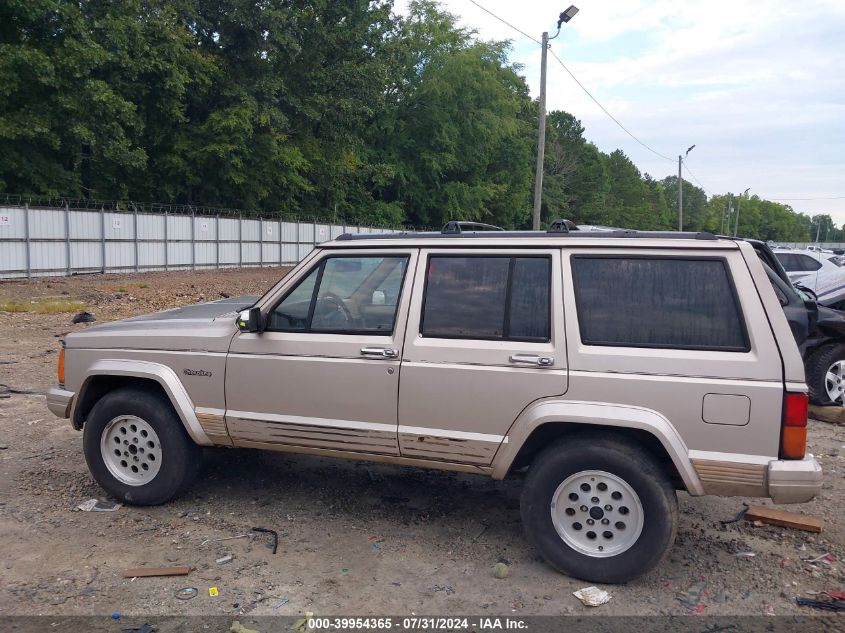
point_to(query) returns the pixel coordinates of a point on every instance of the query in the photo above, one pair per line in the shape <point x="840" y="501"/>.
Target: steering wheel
<point x="336" y="307"/>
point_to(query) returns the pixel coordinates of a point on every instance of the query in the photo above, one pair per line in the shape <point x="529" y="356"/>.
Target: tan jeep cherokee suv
<point x="616" y="367"/>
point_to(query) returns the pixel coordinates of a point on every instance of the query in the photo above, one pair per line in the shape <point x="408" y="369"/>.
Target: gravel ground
<point x="354" y="538"/>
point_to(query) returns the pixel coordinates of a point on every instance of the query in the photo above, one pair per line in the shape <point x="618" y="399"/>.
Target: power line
<point x="575" y="79"/>
<point x="613" y="118"/>
<point x="503" y="21"/>
<point x="698" y="182"/>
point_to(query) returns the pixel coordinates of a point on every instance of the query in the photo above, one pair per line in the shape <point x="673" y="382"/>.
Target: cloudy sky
<point x="757" y="85"/>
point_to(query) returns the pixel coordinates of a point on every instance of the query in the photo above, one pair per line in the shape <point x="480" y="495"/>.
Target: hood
<point x="206" y="327"/>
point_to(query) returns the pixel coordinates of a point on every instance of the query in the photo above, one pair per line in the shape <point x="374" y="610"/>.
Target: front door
<point x="324" y="374"/>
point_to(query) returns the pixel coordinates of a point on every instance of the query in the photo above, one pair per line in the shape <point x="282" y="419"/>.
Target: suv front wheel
<point x="599" y="508"/>
<point x="137" y="448"/>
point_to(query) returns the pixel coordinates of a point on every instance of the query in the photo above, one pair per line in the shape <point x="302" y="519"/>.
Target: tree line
<point x="318" y="108"/>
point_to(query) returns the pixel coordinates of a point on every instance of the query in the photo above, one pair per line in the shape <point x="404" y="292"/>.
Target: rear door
<point x="485" y="338"/>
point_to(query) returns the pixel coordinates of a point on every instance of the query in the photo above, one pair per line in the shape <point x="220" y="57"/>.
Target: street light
<point x="738" y="207"/>
<point x="563" y="18"/>
<point x="681" y="189"/>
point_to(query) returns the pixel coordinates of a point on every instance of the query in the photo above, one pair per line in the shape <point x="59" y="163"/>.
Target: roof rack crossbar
<point x="453" y="227"/>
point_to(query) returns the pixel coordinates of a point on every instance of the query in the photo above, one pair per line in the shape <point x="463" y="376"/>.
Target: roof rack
<point x="453" y="227"/>
<point x="499" y="234"/>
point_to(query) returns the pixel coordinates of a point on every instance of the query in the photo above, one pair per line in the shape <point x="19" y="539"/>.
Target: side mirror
<point x="250" y="320"/>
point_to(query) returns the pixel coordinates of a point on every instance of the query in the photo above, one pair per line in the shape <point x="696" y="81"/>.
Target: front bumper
<point x="59" y="401"/>
<point x="794" y="480"/>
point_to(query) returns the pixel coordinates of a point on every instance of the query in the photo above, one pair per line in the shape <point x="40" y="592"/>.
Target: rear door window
<point x="658" y="302"/>
<point x="488" y="298"/>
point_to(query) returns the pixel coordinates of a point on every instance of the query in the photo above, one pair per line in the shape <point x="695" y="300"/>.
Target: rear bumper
<point x="794" y="481"/>
<point x="59" y="401"/>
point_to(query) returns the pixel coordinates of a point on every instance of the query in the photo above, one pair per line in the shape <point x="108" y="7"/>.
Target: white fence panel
<point x="205" y="229"/>
<point x="86" y="256"/>
<point x="151" y="227"/>
<point x="40" y="241"/>
<point x="85" y="224"/>
<point x="46" y="224"/>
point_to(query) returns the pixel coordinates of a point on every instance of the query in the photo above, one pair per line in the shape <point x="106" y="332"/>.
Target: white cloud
<point x="757" y="85"/>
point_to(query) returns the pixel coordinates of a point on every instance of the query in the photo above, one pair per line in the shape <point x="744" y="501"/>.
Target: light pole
<point x="681" y="189"/>
<point x="738" y="207"/>
<point x="564" y="17"/>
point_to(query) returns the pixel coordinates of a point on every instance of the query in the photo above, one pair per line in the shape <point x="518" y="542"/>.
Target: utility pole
<point x="738" y="207"/>
<point x="680" y="195"/>
<point x="541" y="137"/>
<point x="681" y="189"/>
<point x="566" y="16"/>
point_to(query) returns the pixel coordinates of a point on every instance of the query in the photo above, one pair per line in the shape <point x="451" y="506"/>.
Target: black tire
<point x="626" y="460"/>
<point x="180" y="456"/>
<point x="816" y="367"/>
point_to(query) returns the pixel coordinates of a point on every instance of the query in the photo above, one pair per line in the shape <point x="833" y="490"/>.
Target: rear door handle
<point x="532" y="359"/>
<point x="379" y="352"/>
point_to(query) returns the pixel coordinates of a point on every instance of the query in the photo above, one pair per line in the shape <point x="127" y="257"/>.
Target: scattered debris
<point x="237" y="627"/>
<point x="738" y="516"/>
<point x="691" y="597"/>
<point x="224" y="560"/>
<point x="301" y="625"/>
<point x="446" y="588"/>
<point x="783" y="519"/>
<point x="268" y="531"/>
<point x="592" y="596"/>
<point x="501" y="571"/>
<point x="144" y="628"/>
<point x="826" y="557"/>
<point x="83" y="317"/>
<point x="95" y="505"/>
<point x="225" y="295"/>
<point x="824" y="603"/>
<point x="831" y="415"/>
<point x="186" y="593"/>
<point x="281" y="603"/>
<point x="745" y="554"/>
<point x="146" y="572"/>
<point x="213" y="592"/>
<point x="6" y="390"/>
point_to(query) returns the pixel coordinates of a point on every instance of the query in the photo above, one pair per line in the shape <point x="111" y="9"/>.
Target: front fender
<point x="597" y="414"/>
<point x="162" y="374"/>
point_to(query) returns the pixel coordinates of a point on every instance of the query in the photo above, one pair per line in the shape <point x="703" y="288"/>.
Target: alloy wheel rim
<point x="834" y="382"/>
<point x="597" y="513"/>
<point x="131" y="450"/>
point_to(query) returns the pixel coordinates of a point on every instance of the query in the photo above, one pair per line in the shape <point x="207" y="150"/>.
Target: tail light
<point x="793" y="439"/>
<point x="60" y="368"/>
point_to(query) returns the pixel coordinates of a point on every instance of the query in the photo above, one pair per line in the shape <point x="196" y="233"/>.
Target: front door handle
<point x="379" y="352"/>
<point x="532" y="359"/>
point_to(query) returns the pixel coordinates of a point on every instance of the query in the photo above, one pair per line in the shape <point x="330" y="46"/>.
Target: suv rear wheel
<point x="825" y="371"/>
<point x="137" y="448"/>
<point x="599" y="508"/>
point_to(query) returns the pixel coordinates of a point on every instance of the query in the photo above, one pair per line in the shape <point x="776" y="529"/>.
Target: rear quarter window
<point x="671" y="302"/>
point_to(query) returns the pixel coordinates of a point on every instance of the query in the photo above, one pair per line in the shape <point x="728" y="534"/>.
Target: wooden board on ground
<point x="833" y="415"/>
<point x="142" y="572"/>
<point x="783" y="518"/>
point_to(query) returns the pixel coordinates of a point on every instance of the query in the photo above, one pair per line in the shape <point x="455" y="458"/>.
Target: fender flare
<point x="601" y="414"/>
<point x="163" y="375"/>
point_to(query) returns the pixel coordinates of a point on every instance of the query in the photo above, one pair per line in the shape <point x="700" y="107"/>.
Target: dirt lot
<point x="353" y="538"/>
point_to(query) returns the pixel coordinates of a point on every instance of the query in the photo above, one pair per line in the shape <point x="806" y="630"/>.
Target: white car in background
<point x="823" y="272"/>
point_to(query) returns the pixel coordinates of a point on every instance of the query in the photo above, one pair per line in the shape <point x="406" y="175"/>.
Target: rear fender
<point x="597" y="414"/>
